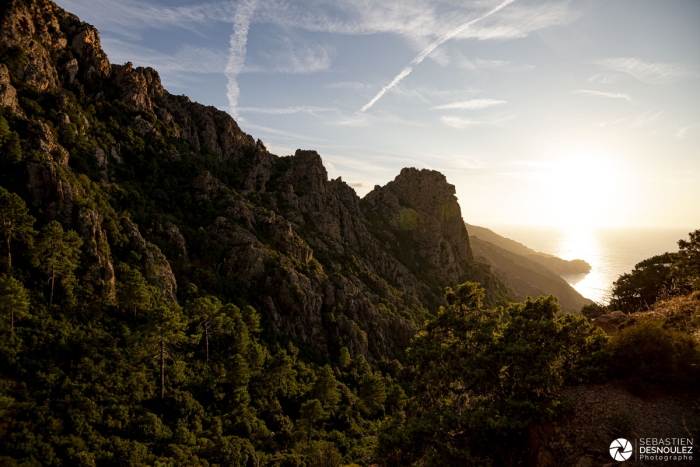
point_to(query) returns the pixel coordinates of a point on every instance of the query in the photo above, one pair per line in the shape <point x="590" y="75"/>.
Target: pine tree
<point x="344" y="359"/>
<point x="57" y="253"/>
<point x="686" y="267"/>
<point x="164" y="331"/>
<point x="15" y="221"/>
<point x="10" y="147"/>
<point x="206" y="311"/>
<point x="326" y="387"/>
<point x="133" y="293"/>
<point x="14" y="299"/>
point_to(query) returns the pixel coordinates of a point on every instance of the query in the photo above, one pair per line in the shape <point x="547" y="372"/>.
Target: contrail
<point x="237" y="50"/>
<point x="421" y="56"/>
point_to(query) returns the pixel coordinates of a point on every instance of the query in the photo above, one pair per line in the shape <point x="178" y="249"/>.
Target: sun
<point x="582" y="189"/>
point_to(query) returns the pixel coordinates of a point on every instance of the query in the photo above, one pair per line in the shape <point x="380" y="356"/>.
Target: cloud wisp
<point x="682" y="132"/>
<point x="421" y="56"/>
<point x="473" y="104"/>
<point x="237" y="50"/>
<point x="648" y="72"/>
<point x="462" y="123"/>
<point x="478" y="64"/>
<point x="348" y="85"/>
<point x="288" y="57"/>
<point x="612" y="95"/>
<point x="645" y="119"/>
<point x="286" y="110"/>
<point x="606" y="78"/>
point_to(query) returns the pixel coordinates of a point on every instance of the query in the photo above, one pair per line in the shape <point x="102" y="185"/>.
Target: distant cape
<point x="526" y="271"/>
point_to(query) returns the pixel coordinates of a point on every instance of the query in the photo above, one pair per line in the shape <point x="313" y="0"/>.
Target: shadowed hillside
<point x="527" y="277"/>
<point x="557" y="265"/>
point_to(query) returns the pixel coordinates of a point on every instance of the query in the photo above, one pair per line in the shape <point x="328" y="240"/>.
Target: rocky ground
<point x="602" y="413"/>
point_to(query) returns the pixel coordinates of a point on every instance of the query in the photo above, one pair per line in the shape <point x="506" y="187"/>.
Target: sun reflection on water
<point x="581" y="243"/>
<point x="609" y="251"/>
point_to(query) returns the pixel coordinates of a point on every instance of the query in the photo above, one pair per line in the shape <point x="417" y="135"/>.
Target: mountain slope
<point x="176" y="190"/>
<point x="527" y="277"/>
<point x="556" y="265"/>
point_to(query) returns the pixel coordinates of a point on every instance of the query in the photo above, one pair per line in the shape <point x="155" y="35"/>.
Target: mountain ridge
<point x="204" y="206"/>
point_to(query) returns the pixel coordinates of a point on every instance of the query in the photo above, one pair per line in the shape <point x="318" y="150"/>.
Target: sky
<point x="559" y="113"/>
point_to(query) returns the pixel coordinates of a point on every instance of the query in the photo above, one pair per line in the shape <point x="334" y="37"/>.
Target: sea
<point x="610" y="251"/>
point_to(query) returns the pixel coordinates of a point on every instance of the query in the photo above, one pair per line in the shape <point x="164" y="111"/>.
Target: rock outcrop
<point x="420" y="208"/>
<point x="156" y="266"/>
<point x="8" y="93"/>
<point x="610" y="322"/>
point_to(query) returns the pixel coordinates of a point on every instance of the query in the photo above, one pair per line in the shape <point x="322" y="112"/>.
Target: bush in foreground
<point x="647" y="354"/>
<point x="477" y="379"/>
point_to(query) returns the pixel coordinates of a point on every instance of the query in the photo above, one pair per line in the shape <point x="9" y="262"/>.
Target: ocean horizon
<point x="610" y="251"/>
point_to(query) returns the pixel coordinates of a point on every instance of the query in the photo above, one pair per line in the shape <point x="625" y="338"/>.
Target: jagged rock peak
<point x="44" y="31"/>
<point x="51" y="49"/>
<point x="307" y="173"/>
<point x="424" y="190"/>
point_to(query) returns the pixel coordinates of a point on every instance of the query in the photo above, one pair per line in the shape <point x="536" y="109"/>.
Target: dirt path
<point x="603" y="413"/>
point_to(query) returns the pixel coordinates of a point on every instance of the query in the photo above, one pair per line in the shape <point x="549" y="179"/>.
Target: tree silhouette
<point x="686" y="267"/>
<point x="206" y="311"/>
<point x="133" y="293"/>
<point x="14" y="299"/>
<point x="15" y="221"/>
<point x="56" y="253"/>
<point x="649" y="280"/>
<point x="163" y="331"/>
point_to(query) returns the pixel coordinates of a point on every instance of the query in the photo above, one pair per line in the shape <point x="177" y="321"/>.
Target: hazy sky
<point x="539" y="112"/>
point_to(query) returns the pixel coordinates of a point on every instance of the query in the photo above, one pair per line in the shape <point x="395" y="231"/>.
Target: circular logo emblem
<point x="621" y="449"/>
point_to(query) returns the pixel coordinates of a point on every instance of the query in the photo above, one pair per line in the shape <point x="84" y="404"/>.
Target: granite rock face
<point x="155" y="265"/>
<point x="324" y="267"/>
<point x="8" y="94"/>
<point x="421" y="209"/>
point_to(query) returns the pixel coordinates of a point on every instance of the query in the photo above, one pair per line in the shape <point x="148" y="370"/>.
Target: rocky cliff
<point x="179" y="191"/>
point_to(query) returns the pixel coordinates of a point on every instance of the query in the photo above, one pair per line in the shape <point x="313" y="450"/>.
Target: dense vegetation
<point x="111" y="370"/>
<point x="149" y="382"/>
<point x="479" y="377"/>
<point x="89" y="379"/>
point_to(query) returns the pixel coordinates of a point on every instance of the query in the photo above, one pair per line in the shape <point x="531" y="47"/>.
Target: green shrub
<point x="649" y="354"/>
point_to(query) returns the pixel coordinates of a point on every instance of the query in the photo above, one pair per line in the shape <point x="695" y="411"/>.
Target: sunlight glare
<point x="583" y="187"/>
<point x="585" y="243"/>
